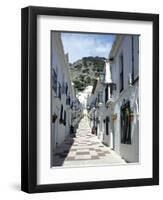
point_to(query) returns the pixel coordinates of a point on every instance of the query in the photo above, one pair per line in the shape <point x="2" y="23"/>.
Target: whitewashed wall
<point x="130" y="152"/>
<point x="60" y="65"/>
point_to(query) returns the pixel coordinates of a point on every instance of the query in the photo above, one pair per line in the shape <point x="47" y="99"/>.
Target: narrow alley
<point x="84" y="150"/>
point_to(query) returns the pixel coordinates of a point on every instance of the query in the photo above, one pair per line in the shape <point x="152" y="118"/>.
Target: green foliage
<point x="83" y="74"/>
<point x="88" y="80"/>
<point x="85" y="70"/>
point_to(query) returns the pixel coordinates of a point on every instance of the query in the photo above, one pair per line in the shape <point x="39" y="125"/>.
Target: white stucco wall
<point x="59" y="64"/>
<point x="130" y="152"/>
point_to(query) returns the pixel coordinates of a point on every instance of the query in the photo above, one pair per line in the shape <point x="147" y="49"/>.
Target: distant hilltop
<point x="84" y="71"/>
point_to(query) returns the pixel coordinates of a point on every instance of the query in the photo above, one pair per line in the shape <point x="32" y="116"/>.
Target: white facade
<point x="124" y="58"/>
<point x="63" y="100"/>
<point x="114" y="103"/>
<point x="98" y="113"/>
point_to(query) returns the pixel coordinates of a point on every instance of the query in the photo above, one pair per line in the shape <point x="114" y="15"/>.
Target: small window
<point x="61" y="112"/>
<point x="121" y="82"/>
<point x="54" y="80"/>
<point x="106" y="93"/>
<point x="125" y="123"/>
<point x="107" y="125"/>
<point x="64" y="117"/>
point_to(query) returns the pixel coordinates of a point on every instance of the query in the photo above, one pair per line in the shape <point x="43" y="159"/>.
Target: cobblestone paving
<point x="84" y="149"/>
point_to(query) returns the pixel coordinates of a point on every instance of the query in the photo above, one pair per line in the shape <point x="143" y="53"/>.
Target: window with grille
<point x="54" y="80"/>
<point x="61" y="112"/>
<point x="121" y="84"/>
<point x="107" y="125"/>
<point x="106" y="93"/>
<point x="64" y="117"/>
<point x="68" y="100"/>
<point x="125" y="123"/>
<point x="59" y="90"/>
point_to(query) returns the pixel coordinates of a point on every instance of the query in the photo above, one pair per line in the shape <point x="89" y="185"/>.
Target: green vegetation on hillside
<point x="83" y="71"/>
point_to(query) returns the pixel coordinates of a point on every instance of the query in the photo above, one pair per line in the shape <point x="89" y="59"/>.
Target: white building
<point x="83" y="97"/>
<point x="113" y="105"/>
<point x="98" y="108"/>
<point x="124" y="101"/>
<point x="63" y="101"/>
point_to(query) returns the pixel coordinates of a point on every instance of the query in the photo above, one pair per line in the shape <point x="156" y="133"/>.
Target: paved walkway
<point x="85" y="150"/>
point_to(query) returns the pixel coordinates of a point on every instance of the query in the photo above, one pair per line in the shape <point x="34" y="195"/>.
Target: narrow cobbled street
<point x="84" y="150"/>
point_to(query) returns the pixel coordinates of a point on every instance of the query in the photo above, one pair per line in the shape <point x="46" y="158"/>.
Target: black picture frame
<point x="29" y="98"/>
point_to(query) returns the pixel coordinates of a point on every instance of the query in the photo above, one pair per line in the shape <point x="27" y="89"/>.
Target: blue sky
<point x="80" y="45"/>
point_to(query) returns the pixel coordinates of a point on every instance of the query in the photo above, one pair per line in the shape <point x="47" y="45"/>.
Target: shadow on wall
<point x="62" y="151"/>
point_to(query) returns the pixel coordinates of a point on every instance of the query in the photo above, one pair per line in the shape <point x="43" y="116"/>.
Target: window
<point x="106" y="93"/>
<point x="125" y="123"/>
<point x="121" y="86"/>
<point x="68" y="100"/>
<point x="112" y="88"/>
<point x="132" y="50"/>
<point x="59" y="91"/>
<point x="66" y="89"/>
<point x="107" y="125"/>
<point x="64" y="117"/>
<point x="61" y="112"/>
<point x="54" y="80"/>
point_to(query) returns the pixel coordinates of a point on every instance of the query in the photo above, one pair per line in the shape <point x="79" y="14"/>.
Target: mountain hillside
<point x="84" y="71"/>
